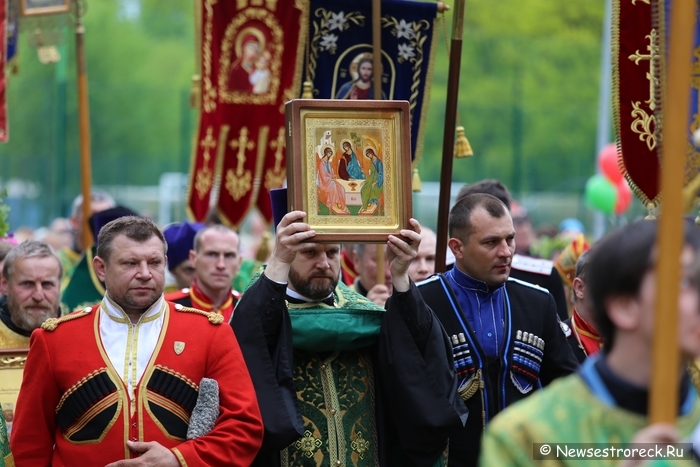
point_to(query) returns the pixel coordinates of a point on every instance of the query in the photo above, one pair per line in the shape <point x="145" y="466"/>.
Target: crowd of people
<point x="167" y="347"/>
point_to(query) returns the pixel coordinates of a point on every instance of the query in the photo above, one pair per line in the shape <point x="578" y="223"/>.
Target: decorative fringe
<point x="307" y="92"/>
<point x="462" y="146"/>
<point x="690" y="193"/>
<point x="415" y="181"/>
<point x="195" y="91"/>
<point x="650" y="208"/>
<point x="264" y="250"/>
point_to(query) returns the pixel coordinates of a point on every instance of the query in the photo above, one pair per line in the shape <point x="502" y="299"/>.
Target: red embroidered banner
<point x="3" y="79"/>
<point x="251" y="65"/>
<point x="636" y="45"/>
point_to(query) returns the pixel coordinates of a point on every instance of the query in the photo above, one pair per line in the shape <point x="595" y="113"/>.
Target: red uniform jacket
<point x="73" y="408"/>
<point x="195" y="298"/>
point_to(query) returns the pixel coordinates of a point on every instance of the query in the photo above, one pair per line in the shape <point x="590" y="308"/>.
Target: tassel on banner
<point x="264" y="250"/>
<point x="307" y="92"/>
<point x="415" y="181"/>
<point x="462" y="146"/>
<point x="650" y="211"/>
<point x="195" y="91"/>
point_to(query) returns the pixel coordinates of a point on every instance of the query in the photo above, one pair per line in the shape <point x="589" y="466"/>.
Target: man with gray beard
<point x="339" y="379"/>
<point x="30" y="282"/>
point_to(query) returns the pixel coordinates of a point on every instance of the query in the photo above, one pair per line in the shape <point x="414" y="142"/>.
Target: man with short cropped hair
<point x="506" y="339"/>
<point x="606" y="402"/>
<point x="30" y="282"/>
<point x="116" y="384"/>
<point x="216" y="261"/>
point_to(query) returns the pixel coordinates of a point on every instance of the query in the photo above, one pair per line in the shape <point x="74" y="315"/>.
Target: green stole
<point x="334" y="377"/>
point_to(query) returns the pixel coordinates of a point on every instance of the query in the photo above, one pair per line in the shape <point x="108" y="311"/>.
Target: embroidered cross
<point x="275" y="178"/>
<point x="239" y="183"/>
<point x="645" y="122"/>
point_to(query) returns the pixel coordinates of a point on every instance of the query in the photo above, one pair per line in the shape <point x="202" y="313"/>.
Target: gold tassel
<point x="307" y="92"/>
<point x="415" y="182"/>
<point x="462" y="146"/>
<point x="264" y="249"/>
<point x="195" y="91"/>
<point x="650" y="208"/>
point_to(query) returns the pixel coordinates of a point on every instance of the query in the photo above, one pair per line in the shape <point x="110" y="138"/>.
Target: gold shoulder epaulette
<point x="214" y="318"/>
<point x="52" y="323"/>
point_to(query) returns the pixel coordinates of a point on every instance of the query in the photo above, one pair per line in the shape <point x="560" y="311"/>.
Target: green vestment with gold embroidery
<point x="333" y="374"/>
<point x="5" y="456"/>
<point x="567" y="411"/>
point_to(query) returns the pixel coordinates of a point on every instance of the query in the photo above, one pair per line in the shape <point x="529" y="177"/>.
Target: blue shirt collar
<point x="464" y="280"/>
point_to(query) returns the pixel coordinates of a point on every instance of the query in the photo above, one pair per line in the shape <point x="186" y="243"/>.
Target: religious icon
<point x="348" y="167"/>
<point x="362" y="72"/>
<point x="250" y="62"/>
<point x="244" y="72"/>
<point x="44" y="7"/>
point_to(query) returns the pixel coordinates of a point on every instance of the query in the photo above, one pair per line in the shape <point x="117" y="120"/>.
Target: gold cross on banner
<point x="644" y="123"/>
<point x="239" y="183"/>
<point x="275" y="178"/>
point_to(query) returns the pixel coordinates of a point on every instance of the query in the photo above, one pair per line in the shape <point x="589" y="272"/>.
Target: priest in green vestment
<point x="340" y="380"/>
<point x="606" y="402"/>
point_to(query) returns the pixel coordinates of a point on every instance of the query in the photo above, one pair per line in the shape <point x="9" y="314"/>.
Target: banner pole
<point x="84" y="123"/>
<point x="663" y="399"/>
<point x="448" y="139"/>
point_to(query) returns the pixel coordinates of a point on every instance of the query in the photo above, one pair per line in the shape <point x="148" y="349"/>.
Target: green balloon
<point x="601" y="194"/>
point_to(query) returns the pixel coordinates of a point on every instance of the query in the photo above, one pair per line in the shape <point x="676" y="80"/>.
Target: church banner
<point x="637" y="64"/>
<point x="340" y="62"/>
<point x="639" y="34"/>
<point x="251" y="61"/>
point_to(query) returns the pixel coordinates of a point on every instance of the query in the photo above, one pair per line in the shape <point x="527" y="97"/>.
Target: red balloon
<point x="624" y="197"/>
<point x="607" y="163"/>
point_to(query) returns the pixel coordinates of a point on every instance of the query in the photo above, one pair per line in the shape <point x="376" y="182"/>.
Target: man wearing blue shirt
<point x="505" y="333"/>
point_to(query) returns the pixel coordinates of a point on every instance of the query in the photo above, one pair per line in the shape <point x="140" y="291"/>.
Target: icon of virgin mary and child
<point x="250" y="71"/>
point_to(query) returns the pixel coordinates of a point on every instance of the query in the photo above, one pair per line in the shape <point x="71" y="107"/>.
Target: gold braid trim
<point x="77" y="385"/>
<point x="9" y="460"/>
<point x="474" y="384"/>
<point x="52" y="323"/>
<point x="214" y="318"/>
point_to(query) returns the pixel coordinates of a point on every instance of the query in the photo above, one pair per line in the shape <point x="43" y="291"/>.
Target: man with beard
<point x="506" y="338"/>
<point x="30" y="283"/>
<point x="339" y="379"/>
<point x="116" y="384"/>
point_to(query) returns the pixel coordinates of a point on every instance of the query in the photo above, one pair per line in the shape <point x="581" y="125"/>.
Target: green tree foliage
<point x="528" y="94"/>
<point x="528" y="97"/>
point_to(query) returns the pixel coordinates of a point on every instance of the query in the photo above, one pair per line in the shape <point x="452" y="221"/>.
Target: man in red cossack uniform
<point x="129" y="384"/>
<point x="216" y="262"/>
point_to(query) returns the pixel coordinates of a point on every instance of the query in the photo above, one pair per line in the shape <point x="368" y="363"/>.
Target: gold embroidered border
<point x="422" y="124"/>
<point x="179" y="456"/>
<point x="90" y="414"/>
<point x="208" y="89"/>
<point x="336" y="434"/>
<point x="148" y="371"/>
<point x="77" y="385"/>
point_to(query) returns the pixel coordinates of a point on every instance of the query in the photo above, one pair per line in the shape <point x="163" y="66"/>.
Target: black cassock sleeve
<point x="418" y="376"/>
<point x="262" y="326"/>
